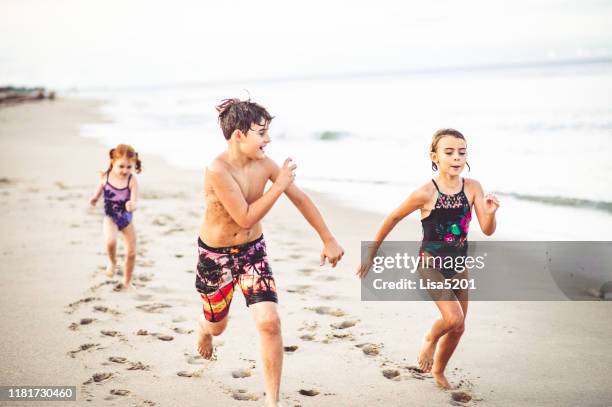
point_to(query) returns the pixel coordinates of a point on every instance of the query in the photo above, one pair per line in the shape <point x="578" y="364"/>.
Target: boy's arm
<point x="485" y="207"/>
<point x="131" y="204"/>
<point x="229" y="193"/>
<point x="96" y="195"/>
<point x="415" y="200"/>
<point x="332" y="251"/>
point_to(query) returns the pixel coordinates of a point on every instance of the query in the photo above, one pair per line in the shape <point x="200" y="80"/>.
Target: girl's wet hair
<point x="438" y="135"/>
<point x="124" y="151"/>
<point x="236" y="114"/>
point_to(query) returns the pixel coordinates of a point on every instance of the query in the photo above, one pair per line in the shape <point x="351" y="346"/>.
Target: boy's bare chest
<point x="251" y="183"/>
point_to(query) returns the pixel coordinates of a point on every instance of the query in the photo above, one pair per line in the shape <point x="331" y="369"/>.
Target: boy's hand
<point x="130" y="206"/>
<point x="286" y="175"/>
<point x="491" y="204"/>
<point x="333" y="252"/>
<point x="93" y="201"/>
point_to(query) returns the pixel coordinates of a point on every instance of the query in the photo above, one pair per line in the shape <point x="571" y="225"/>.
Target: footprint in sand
<point x="185" y="373"/>
<point x="145" y="278"/>
<point x="117" y="359"/>
<point x="162" y="337"/>
<point x="290" y="349"/>
<point x="153" y="308"/>
<point x="95" y="287"/>
<point x="415" y="371"/>
<point x="309" y="392"/>
<point x="461" y="397"/>
<point x="101" y="308"/>
<point x="327" y="278"/>
<point x="306" y="271"/>
<point x="196" y="360"/>
<point x="119" y="392"/>
<point x="295" y="256"/>
<point x="299" y="289"/>
<point x="307" y="337"/>
<point x="86" y="321"/>
<point x="369" y="349"/>
<point x="138" y="366"/>
<point x="99" y="377"/>
<point x="336" y="312"/>
<point x="74" y="305"/>
<point x="178" y="319"/>
<point x="344" y="324"/>
<point x="244" y="395"/>
<point x="391" y="374"/>
<point x="73" y="326"/>
<point x="84" y="347"/>
<point x="110" y="333"/>
<point x="142" y="332"/>
<point x="143" y="297"/>
<point x="181" y="330"/>
<point x="241" y="373"/>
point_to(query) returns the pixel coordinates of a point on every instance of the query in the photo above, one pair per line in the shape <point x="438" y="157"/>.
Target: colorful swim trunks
<point x="221" y="268"/>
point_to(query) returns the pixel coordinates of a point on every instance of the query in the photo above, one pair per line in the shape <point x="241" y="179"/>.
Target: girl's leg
<point x="109" y="229"/>
<point x="452" y="318"/>
<point x="129" y="238"/>
<point x="448" y="343"/>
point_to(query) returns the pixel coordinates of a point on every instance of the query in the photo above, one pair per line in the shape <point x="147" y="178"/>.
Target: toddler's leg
<point x="129" y="237"/>
<point x="109" y="229"/>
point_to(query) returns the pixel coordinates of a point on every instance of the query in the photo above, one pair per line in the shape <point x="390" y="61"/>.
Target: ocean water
<point x="539" y="137"/>
<point x="355" y="100"/>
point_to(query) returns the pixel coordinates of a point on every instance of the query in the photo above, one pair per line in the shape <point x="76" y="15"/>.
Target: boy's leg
<point x="268" y="324"/>
<point x="110" y="230"/>
<point x="129" y="237"/>
<point x="206" y="330"/>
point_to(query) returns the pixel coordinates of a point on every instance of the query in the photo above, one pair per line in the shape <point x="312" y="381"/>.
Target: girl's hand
<point x="93" y="201"/>
<point x="364" y="268"/>
<point x="130" y="206"/>
<point x="333" y="252"/>
<point x="491" y="204"/>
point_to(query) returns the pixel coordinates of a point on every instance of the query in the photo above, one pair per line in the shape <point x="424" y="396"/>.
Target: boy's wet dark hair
<point x="237" y="114"/>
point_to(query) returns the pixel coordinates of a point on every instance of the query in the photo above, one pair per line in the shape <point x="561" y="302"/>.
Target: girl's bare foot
<point x="205" y="347"/>
<point x="441" y="380"/>
<point x="110" y="269"/>
<point x="426" y="354"/>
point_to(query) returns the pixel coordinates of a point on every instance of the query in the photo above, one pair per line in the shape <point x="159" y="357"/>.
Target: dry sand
<point x="52" y="257"/>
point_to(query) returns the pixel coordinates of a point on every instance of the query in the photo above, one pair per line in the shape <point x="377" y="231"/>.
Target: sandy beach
<point x="63" y="324"/>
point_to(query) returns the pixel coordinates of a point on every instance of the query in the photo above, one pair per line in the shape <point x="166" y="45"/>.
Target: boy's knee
<point x="269" y="324"/>
<point x="454" y="321"/>
<point x="131" y="254"/>
<point x="111" y="243"/>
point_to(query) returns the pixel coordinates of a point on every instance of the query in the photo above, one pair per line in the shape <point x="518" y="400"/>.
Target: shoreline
<point x="53" y="262"/>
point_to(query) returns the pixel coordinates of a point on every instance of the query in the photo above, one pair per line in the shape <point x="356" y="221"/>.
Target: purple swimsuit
<point x="114" y="203"/>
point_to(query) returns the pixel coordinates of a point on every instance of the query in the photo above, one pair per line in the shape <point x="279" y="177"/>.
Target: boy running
<point x="231" y="247"/>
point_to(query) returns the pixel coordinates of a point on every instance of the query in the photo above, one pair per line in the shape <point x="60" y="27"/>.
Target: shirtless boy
<point x="231" y="247"/>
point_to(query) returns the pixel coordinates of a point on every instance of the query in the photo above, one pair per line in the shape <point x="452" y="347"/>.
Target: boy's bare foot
<point x="205" y="347"/>
<point x="110" y="269"/>
<point x="123" y="287"/>
<point x="441" y="380"/>
<point x="426" y="354"/>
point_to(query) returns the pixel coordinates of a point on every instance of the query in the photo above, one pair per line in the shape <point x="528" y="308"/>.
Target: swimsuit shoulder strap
<point x="436" y="185"/>
<point x="129" y="179"/>
<point x="107" y="173"/>
<point x="462" y="184"/>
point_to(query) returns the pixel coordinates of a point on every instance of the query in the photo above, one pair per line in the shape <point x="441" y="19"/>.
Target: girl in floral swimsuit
<point x="446" y="210"/>
<point x="119" y="187"/>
